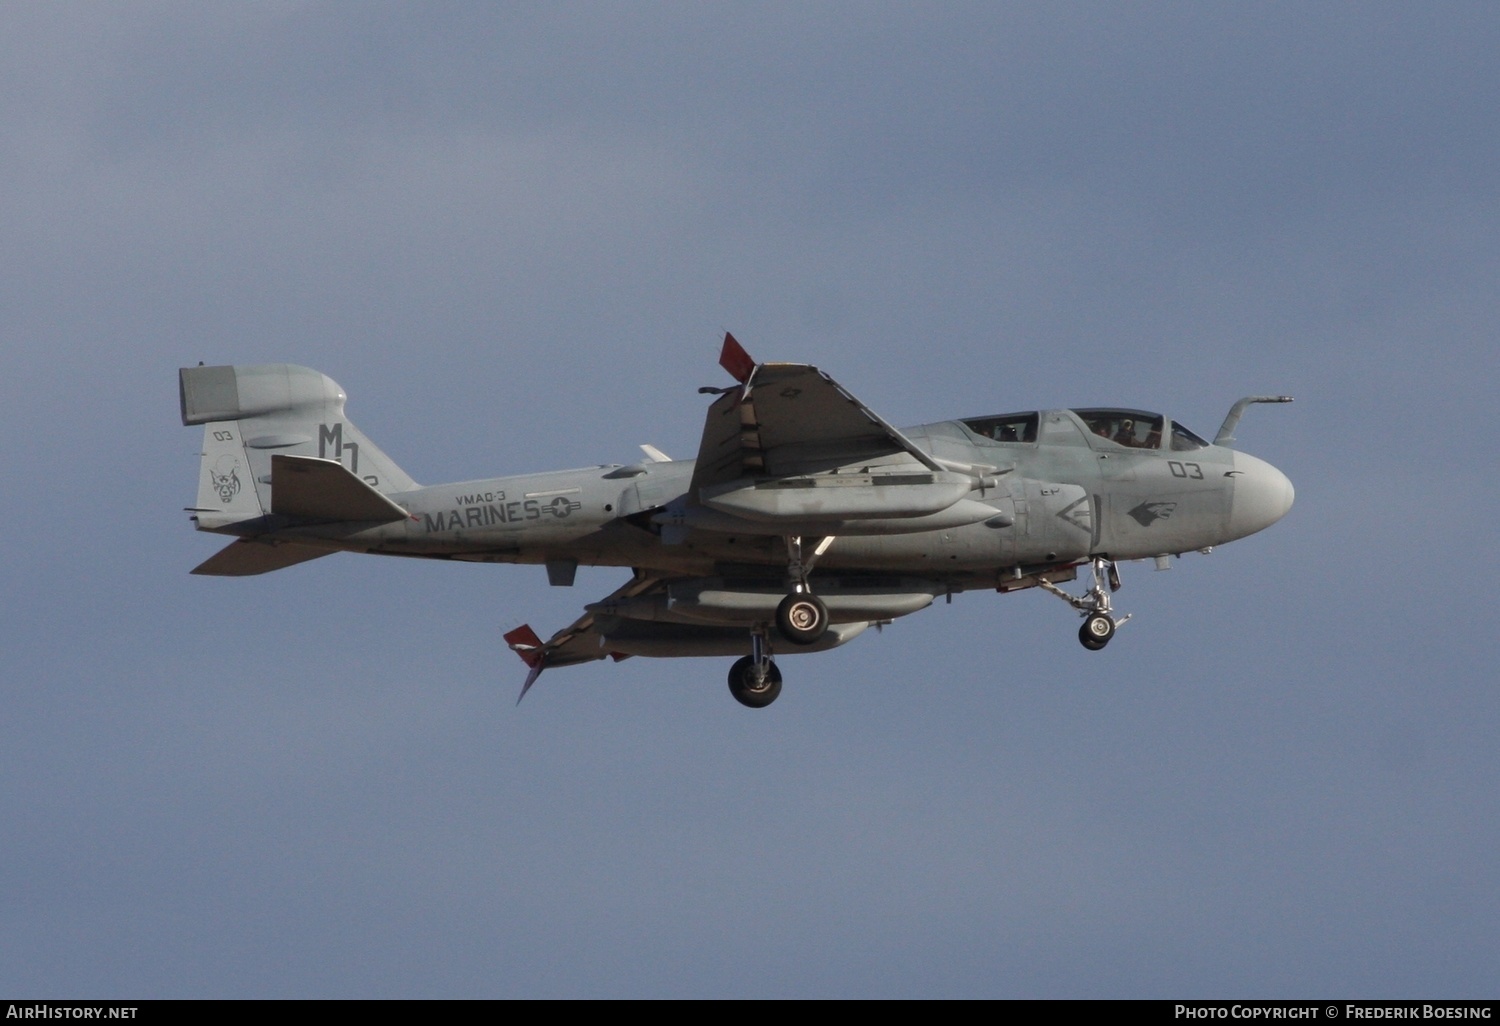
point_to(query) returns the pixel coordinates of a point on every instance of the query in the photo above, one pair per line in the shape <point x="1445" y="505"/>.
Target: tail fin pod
<point x="251" y="413"/>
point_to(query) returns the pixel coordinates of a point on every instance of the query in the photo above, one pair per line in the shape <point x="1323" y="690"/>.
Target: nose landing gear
<point x="1099" y="625"/>
<point x="754" y="680"/>
<point x="1096" y="631"/>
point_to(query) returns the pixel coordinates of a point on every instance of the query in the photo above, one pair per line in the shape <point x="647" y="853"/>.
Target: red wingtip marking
<point x="524" y="642"/>
<point x="735" y="360"/>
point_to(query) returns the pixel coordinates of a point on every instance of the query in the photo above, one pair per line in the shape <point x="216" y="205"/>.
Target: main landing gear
<point x="1099" y="625"/>
<point x="754" y="680"/>
<point x="802" y="618"/>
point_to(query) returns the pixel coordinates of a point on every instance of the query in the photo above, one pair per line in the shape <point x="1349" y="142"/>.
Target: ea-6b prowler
<point x="805" y="519"/>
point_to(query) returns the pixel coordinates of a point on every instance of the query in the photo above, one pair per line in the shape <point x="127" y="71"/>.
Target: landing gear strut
<point x="802" y="618"/>
<point x="754" y="680"/>
<point x="1099" y="624"/>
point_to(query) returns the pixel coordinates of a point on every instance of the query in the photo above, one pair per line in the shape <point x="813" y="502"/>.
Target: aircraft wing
<point x="789" y="418"/>
<point x="579" y="642"/>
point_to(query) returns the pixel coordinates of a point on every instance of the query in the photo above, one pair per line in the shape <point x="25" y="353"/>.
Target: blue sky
<point x="515" y="234"/>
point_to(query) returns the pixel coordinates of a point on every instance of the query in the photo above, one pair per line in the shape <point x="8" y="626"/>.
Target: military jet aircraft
<point x="805" y="519"/>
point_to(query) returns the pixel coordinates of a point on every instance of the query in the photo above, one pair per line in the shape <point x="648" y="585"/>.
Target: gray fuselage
<point x="1068" y="494"/>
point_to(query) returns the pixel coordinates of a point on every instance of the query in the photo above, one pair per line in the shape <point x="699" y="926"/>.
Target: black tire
<point x="802" y="618"/>
<point x="1096" y="632"/>
<point x="743" y="687"/>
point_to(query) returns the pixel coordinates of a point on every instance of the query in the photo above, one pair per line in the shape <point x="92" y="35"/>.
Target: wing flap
<point x="306" y="486"/>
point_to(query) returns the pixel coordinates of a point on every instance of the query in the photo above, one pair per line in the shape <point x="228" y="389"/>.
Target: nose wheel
<point x="750" y="690"/>
<point x="1096" y="632"/>
<point x="1099" y="625"/>
<point x="754" y="680"/>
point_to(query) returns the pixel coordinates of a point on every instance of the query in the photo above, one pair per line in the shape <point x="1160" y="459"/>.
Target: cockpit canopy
<point x="1134" y="429"/>
<point x="1184" y="440"/>
<point x="1008" y="427"/>
<point x="1137" y="429"/>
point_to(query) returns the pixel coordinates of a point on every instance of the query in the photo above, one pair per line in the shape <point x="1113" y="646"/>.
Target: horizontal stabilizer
<point x="248" y="557"/>
<point x="305" y="486"/>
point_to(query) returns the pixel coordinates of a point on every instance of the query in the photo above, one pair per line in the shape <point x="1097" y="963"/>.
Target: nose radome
<point x="1262" y="496"/>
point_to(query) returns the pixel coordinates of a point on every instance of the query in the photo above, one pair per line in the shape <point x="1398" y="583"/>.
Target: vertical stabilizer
<point x="226" y="484"/>
<point x="252" y="413"/>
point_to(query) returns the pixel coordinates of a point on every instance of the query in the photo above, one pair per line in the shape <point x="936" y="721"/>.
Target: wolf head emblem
<point x="1148" y="513"/>
<point x="226" y="478"/>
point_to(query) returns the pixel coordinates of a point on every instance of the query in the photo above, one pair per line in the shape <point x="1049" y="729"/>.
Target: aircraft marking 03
<point x="805" y="518"/>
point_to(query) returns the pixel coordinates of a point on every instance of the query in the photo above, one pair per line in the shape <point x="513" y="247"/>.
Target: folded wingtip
<point x="735" y="360"/>
<point x="536" y="671"/>
<point x="524" y="642"/>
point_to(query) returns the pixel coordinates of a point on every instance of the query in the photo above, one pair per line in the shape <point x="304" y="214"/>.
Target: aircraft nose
<point x="1262" y="496"/>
